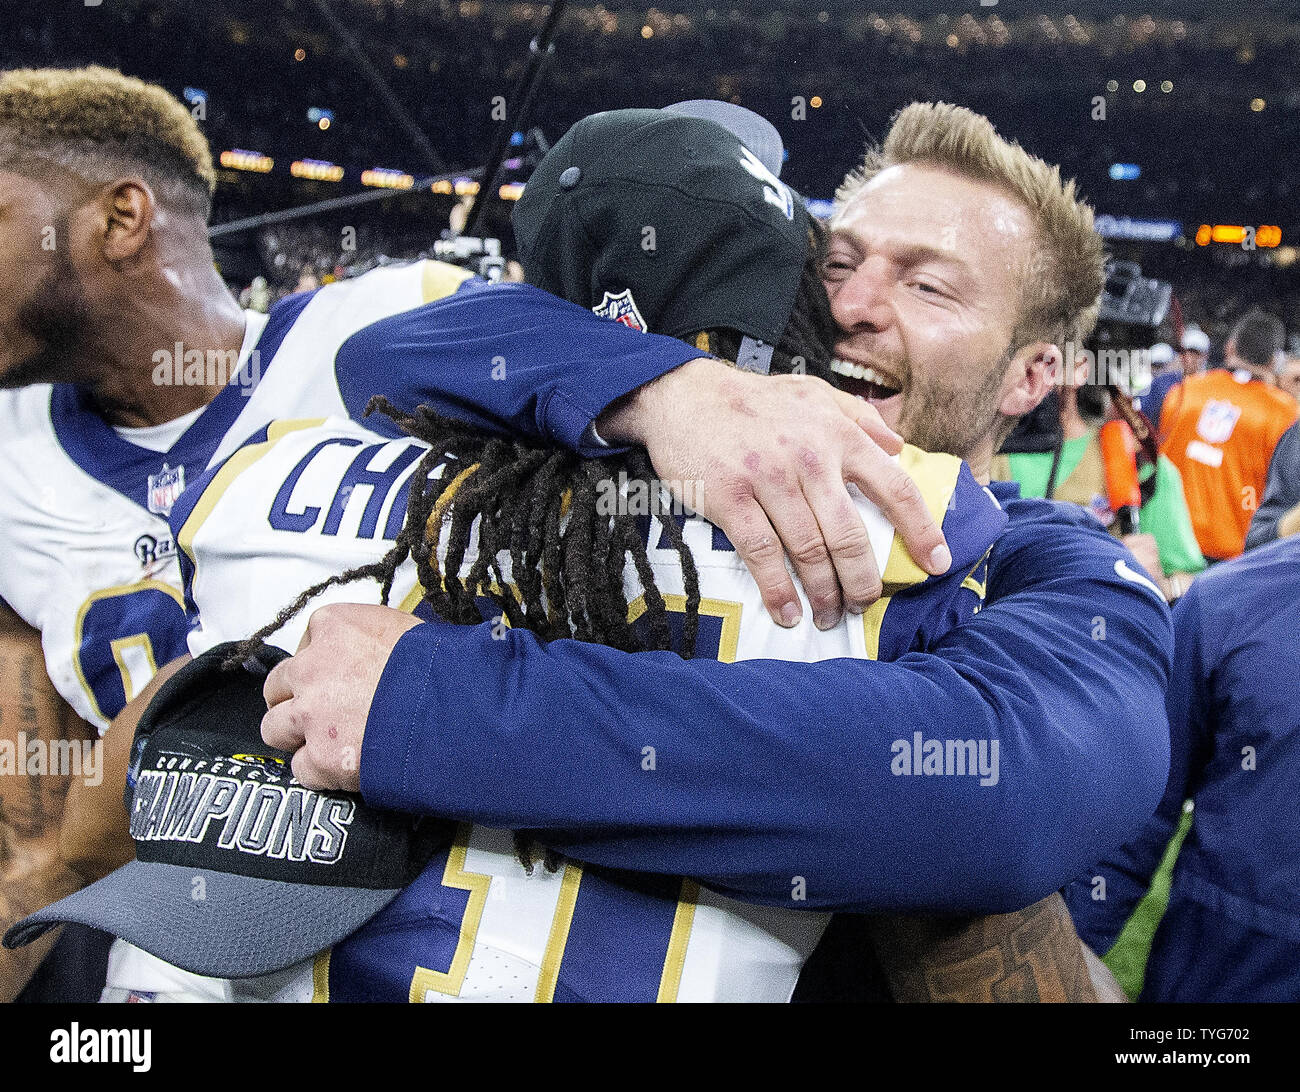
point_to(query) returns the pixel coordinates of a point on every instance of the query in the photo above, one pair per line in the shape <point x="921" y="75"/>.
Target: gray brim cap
<point x="240" y="927"/>
<point x="753" y="130"/>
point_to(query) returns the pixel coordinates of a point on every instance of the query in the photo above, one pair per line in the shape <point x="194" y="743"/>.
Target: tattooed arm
<point x="32" y="717"/>
<point x="1030" y="955"/>
<point x="96" y="837"/>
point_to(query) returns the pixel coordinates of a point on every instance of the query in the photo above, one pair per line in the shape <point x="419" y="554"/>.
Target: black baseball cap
<point x="239" y="869"/>
<point x="667" y="222"/>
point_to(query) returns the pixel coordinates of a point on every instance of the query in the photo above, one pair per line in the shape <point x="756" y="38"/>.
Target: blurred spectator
<point x="1220" y="429"/>
<point x="1279" y="513"/>
<point x="1166" y="546"/>
<point x="1191" y="360"/>
<point x="1195" y="354"/>
<point x="1166" y="370"/>
<point x="1232" y="928"/>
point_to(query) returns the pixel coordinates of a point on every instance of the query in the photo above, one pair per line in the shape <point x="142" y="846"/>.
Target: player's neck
<point x="140" y="376"/>
<point x="980" y="462"/>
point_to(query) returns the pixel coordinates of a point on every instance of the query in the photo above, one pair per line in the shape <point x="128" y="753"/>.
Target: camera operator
<point x="1221" y="428"/>
<point x="1087" y="445"/>
<point x="1165" y="543"/>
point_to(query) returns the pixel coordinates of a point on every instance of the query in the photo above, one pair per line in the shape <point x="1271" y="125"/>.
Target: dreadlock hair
<point x="546" y="510"/>
<point x="540" y="508"/>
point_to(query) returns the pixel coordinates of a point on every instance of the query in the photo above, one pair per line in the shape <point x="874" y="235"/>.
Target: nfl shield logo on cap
<point x="621" y="307"/>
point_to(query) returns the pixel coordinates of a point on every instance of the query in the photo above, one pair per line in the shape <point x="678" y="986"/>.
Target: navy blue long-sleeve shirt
<point x="1232" y="929"/>
<point x="774" y="776"/>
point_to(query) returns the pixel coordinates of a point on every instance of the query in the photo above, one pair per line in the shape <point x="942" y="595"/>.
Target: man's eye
<point x="839" y="264"/>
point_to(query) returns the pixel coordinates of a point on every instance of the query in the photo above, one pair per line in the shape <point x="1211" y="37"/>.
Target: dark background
<point x="1034" y="69"/>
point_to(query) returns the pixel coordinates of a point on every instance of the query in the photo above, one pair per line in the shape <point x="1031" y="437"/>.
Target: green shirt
<point x="1164" y="516"/>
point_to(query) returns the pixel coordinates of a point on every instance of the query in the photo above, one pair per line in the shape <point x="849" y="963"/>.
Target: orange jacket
<point x="1220" y="429"/>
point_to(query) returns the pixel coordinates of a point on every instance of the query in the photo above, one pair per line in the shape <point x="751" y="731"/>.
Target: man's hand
<point x="767" y="458"/>
<point x="318" y="701"/>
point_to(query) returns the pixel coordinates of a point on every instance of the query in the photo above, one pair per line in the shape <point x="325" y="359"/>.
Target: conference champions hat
<point x="668" y="222"/>
<point x="239" y="870"/>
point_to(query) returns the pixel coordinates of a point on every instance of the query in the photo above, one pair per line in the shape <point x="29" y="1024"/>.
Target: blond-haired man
<point x="960" y="266"/>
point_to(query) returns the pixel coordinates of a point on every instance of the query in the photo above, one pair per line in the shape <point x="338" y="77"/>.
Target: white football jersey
<point x="87" y="557"/>
<point x="86" y="554"/>
<point x="309" y="499"/>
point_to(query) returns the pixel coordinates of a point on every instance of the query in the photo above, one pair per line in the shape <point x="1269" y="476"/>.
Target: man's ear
<point x="1033" y="371"/>
<point x="127" y="210"/>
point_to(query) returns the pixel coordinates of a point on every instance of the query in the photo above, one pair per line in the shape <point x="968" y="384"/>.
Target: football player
<point x="127" y="368"/>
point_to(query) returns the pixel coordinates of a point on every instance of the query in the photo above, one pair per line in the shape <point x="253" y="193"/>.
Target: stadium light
<point x="1266" y="236"/>
<point x="318" y="170"/>
<point x="238" y="159"/>
<point x="386" y="178"/>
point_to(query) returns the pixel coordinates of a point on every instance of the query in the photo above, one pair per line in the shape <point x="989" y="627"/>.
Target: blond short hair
<point x="100" y="125"/>
<point x="1062" y="286"/>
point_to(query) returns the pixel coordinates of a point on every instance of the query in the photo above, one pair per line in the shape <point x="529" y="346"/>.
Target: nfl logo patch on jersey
<point x="1217" y="421"/>
<point x="621" y="307"/>
<point x="164" y="488"/>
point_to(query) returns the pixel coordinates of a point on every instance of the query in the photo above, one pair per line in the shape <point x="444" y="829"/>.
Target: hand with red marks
<point x="318" y="700"/>
<point x="768" y="459"/>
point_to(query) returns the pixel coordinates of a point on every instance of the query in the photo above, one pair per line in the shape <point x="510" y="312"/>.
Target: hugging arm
<point x="784" y="783"/>
<point x="765" y="458"/>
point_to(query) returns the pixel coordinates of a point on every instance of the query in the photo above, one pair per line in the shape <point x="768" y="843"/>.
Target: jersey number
<point x="123" y="636"/>
<point x="614" y="936"/>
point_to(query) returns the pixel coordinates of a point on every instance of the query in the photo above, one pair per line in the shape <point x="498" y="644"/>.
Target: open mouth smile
<point x="865" y="382"/>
